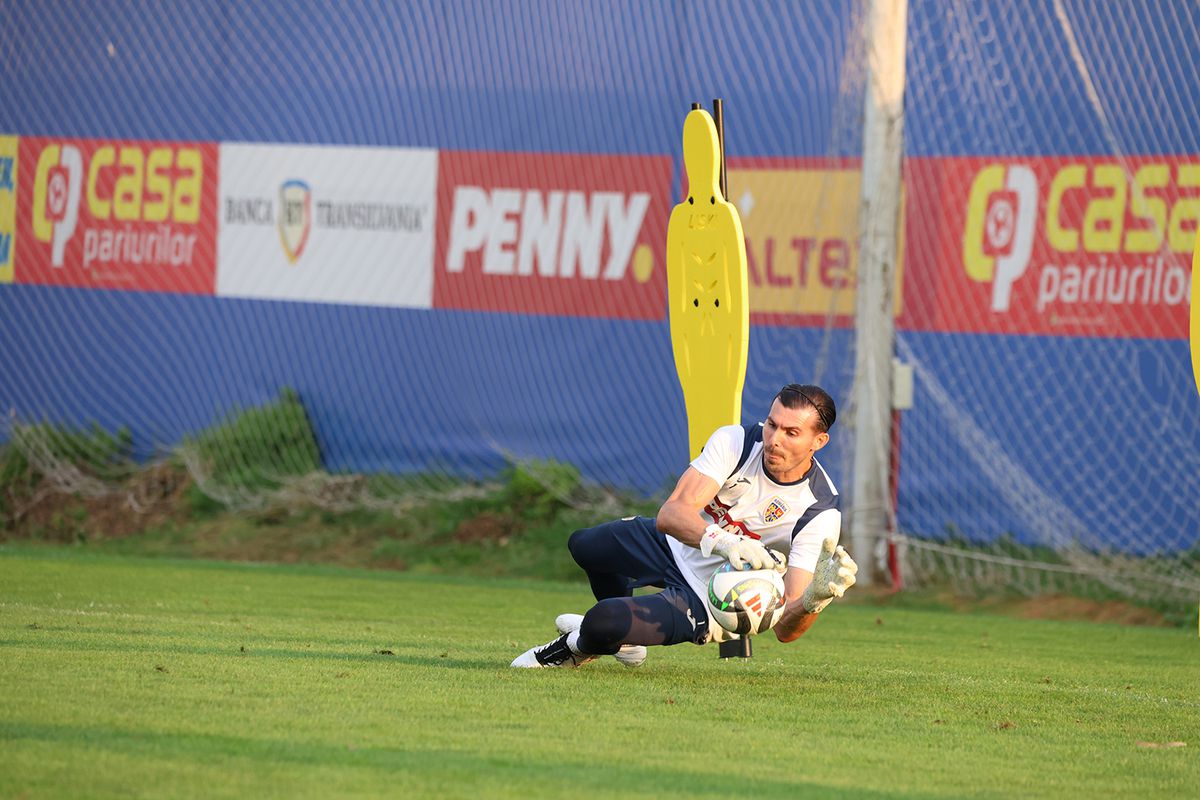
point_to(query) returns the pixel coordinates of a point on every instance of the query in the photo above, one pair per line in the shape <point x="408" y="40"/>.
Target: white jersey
<point x="792" y="518"/>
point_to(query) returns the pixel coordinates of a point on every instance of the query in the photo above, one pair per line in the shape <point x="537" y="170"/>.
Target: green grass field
<point x="126" y="677"/>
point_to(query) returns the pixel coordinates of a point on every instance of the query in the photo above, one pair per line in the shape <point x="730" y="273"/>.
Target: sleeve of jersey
<point x="721" y="453"/>
<point x="806" y="545"/>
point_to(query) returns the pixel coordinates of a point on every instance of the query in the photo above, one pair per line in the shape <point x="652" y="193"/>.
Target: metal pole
<point x="737" y="648"/>
<point x="719" y="119"/>
<point x="871" y="512"/>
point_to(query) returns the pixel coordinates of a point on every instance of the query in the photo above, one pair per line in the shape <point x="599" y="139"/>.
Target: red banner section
<point x="572" y="235"/>
<point x="1059" y="246"/>
<point x="117" y="214"/>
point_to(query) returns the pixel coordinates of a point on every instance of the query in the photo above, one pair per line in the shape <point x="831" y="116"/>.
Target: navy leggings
<point x="619" y="557"/>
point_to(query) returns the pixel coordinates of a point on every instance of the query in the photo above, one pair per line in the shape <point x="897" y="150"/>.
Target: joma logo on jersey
<point x="775" y="510"/>
<point x="553" y="234"/>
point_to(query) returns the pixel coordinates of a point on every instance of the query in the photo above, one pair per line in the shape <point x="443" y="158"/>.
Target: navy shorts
<point x="629" y="553"/>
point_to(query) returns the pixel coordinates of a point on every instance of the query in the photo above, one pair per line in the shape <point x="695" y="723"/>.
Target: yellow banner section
<point x="8" y="206"/>
<point x="802" y="239"/>
<point x="1195" y="319"/>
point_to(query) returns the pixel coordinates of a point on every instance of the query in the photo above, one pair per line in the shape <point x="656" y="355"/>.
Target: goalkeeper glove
<point x="832" y="576"/>
<point x="740" y="551"/>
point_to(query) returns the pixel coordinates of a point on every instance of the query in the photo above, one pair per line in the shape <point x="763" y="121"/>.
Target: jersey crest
<point x="775" y="510"/>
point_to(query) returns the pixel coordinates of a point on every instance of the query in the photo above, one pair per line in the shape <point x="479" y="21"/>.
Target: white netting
<point x="442" y="226"/>
<point x="1075" y="436"/>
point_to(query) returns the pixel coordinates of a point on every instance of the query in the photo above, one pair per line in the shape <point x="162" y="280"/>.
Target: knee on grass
<point x="605" y="627"/>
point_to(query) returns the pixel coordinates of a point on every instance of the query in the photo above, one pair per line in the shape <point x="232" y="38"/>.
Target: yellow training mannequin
<point x="707" y="289"/>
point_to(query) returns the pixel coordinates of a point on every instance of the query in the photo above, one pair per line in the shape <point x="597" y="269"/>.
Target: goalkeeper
<point x="755" y="497"/>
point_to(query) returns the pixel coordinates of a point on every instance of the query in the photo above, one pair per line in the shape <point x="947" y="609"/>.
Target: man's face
<point x="790" y="438"/>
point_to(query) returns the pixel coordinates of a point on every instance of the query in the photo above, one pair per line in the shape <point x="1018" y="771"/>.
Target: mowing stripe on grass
<point x="131" y="677"/>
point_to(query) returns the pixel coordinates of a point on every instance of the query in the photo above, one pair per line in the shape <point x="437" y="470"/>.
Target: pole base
<point x="736" y="648"/>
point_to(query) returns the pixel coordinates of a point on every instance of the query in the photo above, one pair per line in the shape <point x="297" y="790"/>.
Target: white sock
<point x="573" y="643"/>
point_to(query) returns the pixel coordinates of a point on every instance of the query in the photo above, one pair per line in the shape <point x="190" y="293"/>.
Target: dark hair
<point x="797" y="395"/>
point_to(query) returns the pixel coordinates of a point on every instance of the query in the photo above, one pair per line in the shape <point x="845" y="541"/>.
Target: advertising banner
<point x="327" y="224"/>
<point x="8" y="205"/>
<point x="117" y="214"/>
<point x="800" y="218"/>
<point x="1059" y="246"/>
<point x="539" y="233"/>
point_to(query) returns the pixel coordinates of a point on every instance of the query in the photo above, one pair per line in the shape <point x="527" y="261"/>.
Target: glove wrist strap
<point x="709" y="540"/>
<point x="811" y="604"/>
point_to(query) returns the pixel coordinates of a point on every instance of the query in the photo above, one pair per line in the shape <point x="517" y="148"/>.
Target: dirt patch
<point x="486" y="526"/>
<point x="148" y="499"/>
<point x="296" y="539"/>
<point x="1060" y="607"/>
<point x="160" y="500"/>
<point x="1065" y="607"/>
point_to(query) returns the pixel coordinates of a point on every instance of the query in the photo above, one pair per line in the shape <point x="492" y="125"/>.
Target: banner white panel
<point x="327" y="224"/>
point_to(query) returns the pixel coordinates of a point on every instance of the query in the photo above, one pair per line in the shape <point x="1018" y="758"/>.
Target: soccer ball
<point x="745" y="601"/>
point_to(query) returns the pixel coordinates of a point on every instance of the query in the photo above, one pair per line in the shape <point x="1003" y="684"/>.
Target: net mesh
<point x="1076" y="442"/>
<point x="371" y="256"/>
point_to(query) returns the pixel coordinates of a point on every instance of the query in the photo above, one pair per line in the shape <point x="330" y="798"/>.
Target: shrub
<point x="254" y="448"/>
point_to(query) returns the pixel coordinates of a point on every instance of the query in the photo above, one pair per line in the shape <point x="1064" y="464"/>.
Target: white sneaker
<point x="631" y="655"/>
<point x="553" y="654"/>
